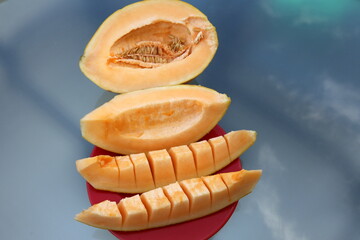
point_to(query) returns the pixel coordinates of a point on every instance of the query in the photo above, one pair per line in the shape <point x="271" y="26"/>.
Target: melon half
<point x="149" y="44"/>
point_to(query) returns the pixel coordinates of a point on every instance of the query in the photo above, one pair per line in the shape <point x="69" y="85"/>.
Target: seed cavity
<point x="154" y="45"/>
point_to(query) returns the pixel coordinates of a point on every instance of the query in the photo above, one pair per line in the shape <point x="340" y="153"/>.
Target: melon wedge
<point x="154" y="119"/>
<point x="160" y="208"/>
<point x="162" y="167"/>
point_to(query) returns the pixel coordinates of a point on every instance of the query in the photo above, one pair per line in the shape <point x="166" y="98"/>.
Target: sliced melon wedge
<point x="175" y="203"/>
<point x="154" y="119"/>
<point x="162" y="167"/>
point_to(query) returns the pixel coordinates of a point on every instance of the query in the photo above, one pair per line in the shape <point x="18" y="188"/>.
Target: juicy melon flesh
<point x="171" y="204"/>
<point x="141" y="172"/>
<point x="149" y="44"/>
<point x="154" y="119"/>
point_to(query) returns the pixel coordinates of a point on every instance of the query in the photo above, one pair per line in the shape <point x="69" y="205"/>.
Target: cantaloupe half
<point x="178" y="202"/>
<point x="149" y="44"/>
<point x="154" y="119"/>
<point x="161" y="167"/>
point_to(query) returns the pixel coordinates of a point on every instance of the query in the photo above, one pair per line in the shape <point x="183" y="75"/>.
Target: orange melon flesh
<point x="134" y="213"/>
<point x="180" y="204"/>
<point x="149" y="21"/>
<point x="154" y="119"/>
<point x="189" y="199"/>
<point x="143" y="176"/>
<point x="103" y="169"/>
<point x="218" y="191"/>
<point x="220" y="152"/>
<point x="103" y="215"/>
<point x="158" y="207"/>
<point x="162" y="167"/>
<point x="199" y="196"/>
<point x="166" y="166"/>
<point x="240" y="183"/>
<point x="203" y="156"/>
<point x="239" y="141"/>
<point x="127" y="181"/>
<point x="183" y="161"/>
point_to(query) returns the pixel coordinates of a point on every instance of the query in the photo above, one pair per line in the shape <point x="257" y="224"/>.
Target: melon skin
<point x="136" y="173"/>
<point x="154" y="119"/>
<point x="123" y="29"/>
<point x="158" y="203"/>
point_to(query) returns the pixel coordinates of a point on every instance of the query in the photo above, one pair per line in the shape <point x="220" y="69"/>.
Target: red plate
<point x="202" y="228"/>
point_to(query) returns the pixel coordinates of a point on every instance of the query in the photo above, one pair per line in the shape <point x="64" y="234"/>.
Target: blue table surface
<point x="291" y="69"/>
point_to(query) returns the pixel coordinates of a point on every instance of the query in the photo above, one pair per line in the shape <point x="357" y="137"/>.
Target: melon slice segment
<point x="180" y="204"/>
<point x="102" y="169"/>
<point x="240" y="183"/>
<point x="183" y="161"/>
<point x="127" y="182"/>
<point x="104" y="215"/>
<point x="199" y="196"/>
<point x="167" y="166"/>
<point x="189" y="199"/>
<point x="218" y="191"/>
<point x="143" y="176"/>
<point x="239" y="141"/>
<point x="158" y="207"/>
<point x="220" y="152"/>
<point x="134" y="213"/>
<point x="204" y="159"/>
<point x="154" y="119"/>
<point x="162" y="167"/>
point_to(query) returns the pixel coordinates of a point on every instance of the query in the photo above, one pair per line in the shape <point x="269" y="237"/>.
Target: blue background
<point x="291" y="68"/>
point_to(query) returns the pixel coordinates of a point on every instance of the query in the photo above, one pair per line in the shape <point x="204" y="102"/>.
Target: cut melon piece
<point x="239" y="141"/>
<point x="240" y="183"/>
<point x="103" y="215"/>
<point x="134" y="213"/>
<point x="143" y="176"/>
<point x="220" y="152"/>
<point x="158" y="207"/>
<point x="154" y="119"/>
<point x="102" y="169"/>
<point x="218" y="191"/>
<point x="199" y="196"/>
<point x="162" y="167"/>
<point x="180" y="204"/>
<point x="189" y="199"/>
<point x="183" y="161"/>
<point x="167" y="166"/>
<point x="204" y="160"/>
<point x="149" y="44"/>
<point x="127" y="181"/>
